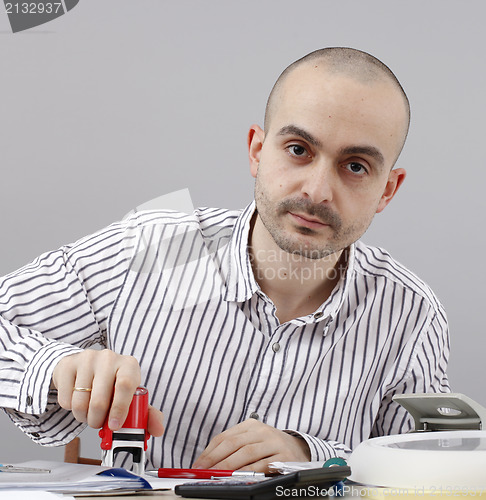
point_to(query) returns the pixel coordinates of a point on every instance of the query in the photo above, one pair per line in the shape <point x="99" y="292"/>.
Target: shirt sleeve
<point x="426" y="358"/>
<point x="426" y="373"/>
<point x="56" y="306"/>
<point x="321" y="449"/>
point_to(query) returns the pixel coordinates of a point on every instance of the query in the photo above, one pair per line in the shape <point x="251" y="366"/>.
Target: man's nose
<point x="320" y="182"/>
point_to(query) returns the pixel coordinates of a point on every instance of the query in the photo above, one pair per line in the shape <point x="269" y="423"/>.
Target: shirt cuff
<point x="320" y="449"/>
<point x="36" y="383"/>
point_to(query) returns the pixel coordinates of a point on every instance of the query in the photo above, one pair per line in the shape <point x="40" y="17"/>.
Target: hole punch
<point x="449" y="412"/>
<point x="443" y="411"/>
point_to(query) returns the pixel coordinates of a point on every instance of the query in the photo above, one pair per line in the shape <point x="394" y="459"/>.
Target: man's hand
<point x="252" y="445"/>
<point x="113" y="379"/>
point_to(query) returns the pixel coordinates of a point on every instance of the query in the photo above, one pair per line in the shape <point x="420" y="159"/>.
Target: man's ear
<point x="395" y="179"/>
<point x="255" y="143"/>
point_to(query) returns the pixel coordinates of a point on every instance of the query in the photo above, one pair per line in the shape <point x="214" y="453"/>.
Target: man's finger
<point x="227" y="444"/>
<point x="155" y="423"/>
<point x="126" y="382"/>
<point x="65" y="390"/>
<point x="220" y="438"/>
<point x="201" y="462"/>
<point x="246" y="457"/>
<point x="80" y="400"/>
<point x="100" y="401"/>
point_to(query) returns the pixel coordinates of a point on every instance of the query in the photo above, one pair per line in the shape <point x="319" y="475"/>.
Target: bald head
<point x="341" y="61"/>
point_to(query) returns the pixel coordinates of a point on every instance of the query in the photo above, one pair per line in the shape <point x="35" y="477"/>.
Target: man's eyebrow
<point x="351" y="150"/>
<point x="365" y="150"/>
<point x="294" y="130"/>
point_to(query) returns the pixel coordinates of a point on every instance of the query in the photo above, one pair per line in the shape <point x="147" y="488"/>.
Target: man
<point x="267" y="334"/>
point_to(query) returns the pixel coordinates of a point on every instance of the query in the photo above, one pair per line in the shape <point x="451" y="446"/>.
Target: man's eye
<point x="297" y="150"/>
<point x="356" y="168"/>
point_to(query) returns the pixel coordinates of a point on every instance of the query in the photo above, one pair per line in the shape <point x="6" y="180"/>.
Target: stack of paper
<point x="71" y="478"/>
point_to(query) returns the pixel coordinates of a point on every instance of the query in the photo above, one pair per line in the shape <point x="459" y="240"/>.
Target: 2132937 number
<point x="33" y="8"/>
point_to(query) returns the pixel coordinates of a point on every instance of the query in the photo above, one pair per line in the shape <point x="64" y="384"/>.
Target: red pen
<point x="202" y="473"/>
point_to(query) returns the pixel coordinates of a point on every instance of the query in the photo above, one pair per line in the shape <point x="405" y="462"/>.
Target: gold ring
<point x="82" y="389"/>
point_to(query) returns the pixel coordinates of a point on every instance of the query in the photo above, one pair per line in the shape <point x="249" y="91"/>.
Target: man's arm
<point x="252" y="445"/>
<point x="426" y="373"/>
<point x="50" y="311"/>
<point x="113" y="379"/>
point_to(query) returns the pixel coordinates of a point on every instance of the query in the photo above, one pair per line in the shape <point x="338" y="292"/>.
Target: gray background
<point x="120" y="101"/>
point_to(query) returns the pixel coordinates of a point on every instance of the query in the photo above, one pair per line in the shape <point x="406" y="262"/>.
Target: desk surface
<point x="170" y="495"/>
<point x="162" y="495"/>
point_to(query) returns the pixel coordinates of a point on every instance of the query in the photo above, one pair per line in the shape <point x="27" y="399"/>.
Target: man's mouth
<point x="308" y="221"/>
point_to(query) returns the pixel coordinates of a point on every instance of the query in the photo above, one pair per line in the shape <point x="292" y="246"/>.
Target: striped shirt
<point x="177" y="291"/>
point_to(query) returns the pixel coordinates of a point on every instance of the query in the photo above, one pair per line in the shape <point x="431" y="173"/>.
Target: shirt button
<point x="254" y="415"/>
<point x="29" y="401"/>
<point x="318" y="315"/>
<point x="276" y="347"/>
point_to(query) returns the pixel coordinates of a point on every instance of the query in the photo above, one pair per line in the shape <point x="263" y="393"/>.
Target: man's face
<point x="323" y="168"/>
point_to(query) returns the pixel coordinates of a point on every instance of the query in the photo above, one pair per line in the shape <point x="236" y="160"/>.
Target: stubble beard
<point x="270" y="215"/>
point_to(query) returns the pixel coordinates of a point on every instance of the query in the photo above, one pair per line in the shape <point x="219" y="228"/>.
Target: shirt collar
<point x="330" y="308"/>
<point x="241" y="283"/>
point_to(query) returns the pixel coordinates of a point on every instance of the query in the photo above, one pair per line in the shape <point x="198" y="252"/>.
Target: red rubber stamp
<point x="132" y="437"/>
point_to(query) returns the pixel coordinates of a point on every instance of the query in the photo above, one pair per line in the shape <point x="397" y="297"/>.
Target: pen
<point x="15" y="468"/>
<point x="201" y="473"/>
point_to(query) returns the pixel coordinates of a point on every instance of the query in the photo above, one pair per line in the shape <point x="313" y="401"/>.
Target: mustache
<point x="322" y="212"/>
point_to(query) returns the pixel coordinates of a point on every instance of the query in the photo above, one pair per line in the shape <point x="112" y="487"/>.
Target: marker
<point x="201" y="473"/>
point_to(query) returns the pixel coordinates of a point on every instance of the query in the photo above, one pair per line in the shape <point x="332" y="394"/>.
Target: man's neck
<point x="296" y="285"/>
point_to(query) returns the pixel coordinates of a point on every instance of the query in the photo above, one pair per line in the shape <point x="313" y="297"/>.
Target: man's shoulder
<point x="203" y="218"/>
<point x="377" y="262"/>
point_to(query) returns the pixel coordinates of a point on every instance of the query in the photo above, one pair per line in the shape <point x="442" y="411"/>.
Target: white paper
<point x="288" y="467"/>
<point x="166" y="482"/>
<point x="34" y="495"/>
<point x="65" y="477"/>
